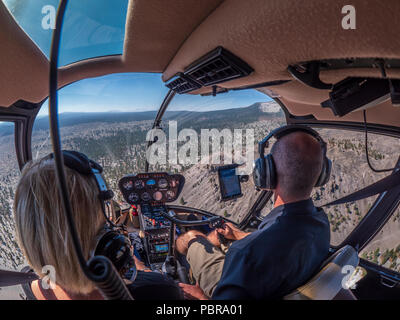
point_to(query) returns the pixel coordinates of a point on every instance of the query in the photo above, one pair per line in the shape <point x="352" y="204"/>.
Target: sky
<point x="130" y="92"/>
<point x="96" y="28"/>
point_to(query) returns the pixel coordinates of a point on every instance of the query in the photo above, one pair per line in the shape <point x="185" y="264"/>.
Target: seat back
<point x="327" y="283"/>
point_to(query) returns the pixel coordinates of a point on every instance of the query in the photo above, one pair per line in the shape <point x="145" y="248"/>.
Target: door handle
<point x="388" y="282"/>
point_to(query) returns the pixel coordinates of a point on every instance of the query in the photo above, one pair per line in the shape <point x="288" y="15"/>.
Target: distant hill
<point x="215" y="119"/>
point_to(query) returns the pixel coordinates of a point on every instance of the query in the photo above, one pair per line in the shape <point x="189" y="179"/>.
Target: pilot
<point x="287" y="249"/>
<point x="44" y="239"/>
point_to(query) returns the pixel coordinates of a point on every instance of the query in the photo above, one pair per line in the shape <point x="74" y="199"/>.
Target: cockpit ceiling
<point x="167" y="36"/>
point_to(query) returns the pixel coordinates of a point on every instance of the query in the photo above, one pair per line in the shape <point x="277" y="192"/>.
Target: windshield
<point x="109" y="119"/>
<point x="91" y="28"/>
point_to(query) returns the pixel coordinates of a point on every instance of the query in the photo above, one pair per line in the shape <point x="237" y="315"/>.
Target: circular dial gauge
<point x="151" y="183"/>
<point x="163" y="183"/>
<point x="170" y="194"/>
<point x="139" y="184"/>
<point x="128" y="185"/>
<point x="157" y="196"/>
<point x="146" y="196"/>
<point x="173" y="183"/>
<point x="133" y="197"/>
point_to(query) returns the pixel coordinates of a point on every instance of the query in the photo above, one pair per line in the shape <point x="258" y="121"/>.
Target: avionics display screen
<point x="161" y="247"/>
<point x="229" y="183"/>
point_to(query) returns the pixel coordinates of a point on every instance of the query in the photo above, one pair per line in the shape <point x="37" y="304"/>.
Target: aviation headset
<point x="112" y="243"/>
<point x="264" y="171"/>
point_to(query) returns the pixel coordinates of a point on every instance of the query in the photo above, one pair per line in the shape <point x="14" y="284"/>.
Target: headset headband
<point x="82" y="164"/>
<point x="283" y="131"/>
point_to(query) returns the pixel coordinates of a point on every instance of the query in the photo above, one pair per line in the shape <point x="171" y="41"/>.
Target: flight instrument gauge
<point x="133" y="197"/>
<point x="139" y="184"/>
<point x="170" y="194"/>
<point x="157" y="196"/>
<point x="146" y="196"/>
<point x="162" y="183"/>
<point x="150" y="183"/>
<point x="128" y="185"/>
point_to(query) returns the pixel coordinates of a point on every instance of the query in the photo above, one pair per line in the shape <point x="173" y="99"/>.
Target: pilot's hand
<point x="230" y="232"/>
<point x="213" y="238"/>
<point x="121" y="219"/>
<point x="191" y="292"/>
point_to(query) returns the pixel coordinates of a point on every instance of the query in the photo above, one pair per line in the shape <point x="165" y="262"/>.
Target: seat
<point x="327" y="283"/>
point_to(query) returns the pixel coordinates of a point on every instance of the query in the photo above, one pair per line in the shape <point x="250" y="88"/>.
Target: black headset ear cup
<point x="270" y="172"/>
<point x="259" y="173"/>
<point x="325" y="172"/>
<point x="116" y="247"/>
<point x="106" y="195"/>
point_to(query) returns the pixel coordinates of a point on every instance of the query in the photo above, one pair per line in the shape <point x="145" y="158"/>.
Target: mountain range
<point x="255" y="112"/>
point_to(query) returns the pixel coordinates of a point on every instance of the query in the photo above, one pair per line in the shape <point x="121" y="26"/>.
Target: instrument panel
<point x="151" y="188"/>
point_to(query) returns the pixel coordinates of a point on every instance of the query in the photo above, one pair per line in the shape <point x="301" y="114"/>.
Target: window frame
<point x="22" y="114"/>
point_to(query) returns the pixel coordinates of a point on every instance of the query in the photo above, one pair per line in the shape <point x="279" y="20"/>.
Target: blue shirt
<point x="287" y="250"/>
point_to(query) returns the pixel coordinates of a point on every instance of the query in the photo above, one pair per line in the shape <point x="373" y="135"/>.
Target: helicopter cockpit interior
<point x="176" y="99"/>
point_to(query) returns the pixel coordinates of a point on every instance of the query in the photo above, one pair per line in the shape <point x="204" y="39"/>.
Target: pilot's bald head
<point x="298" y="161"/>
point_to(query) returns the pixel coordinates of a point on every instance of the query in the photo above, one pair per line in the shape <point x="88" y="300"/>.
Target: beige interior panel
<point x="270" y="35"/>
<point x="383" y="114"/>
<point x="156" y="29"/>
<point x="23" y="67"/>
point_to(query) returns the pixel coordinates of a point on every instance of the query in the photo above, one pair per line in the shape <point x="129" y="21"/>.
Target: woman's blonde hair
<point x="41" y="225"/>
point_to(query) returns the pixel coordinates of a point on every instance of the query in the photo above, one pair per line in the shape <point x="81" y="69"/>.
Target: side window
<point x="10" y="255"/>
<point x="350" y="172"/>
<point x="384" y="249"/>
